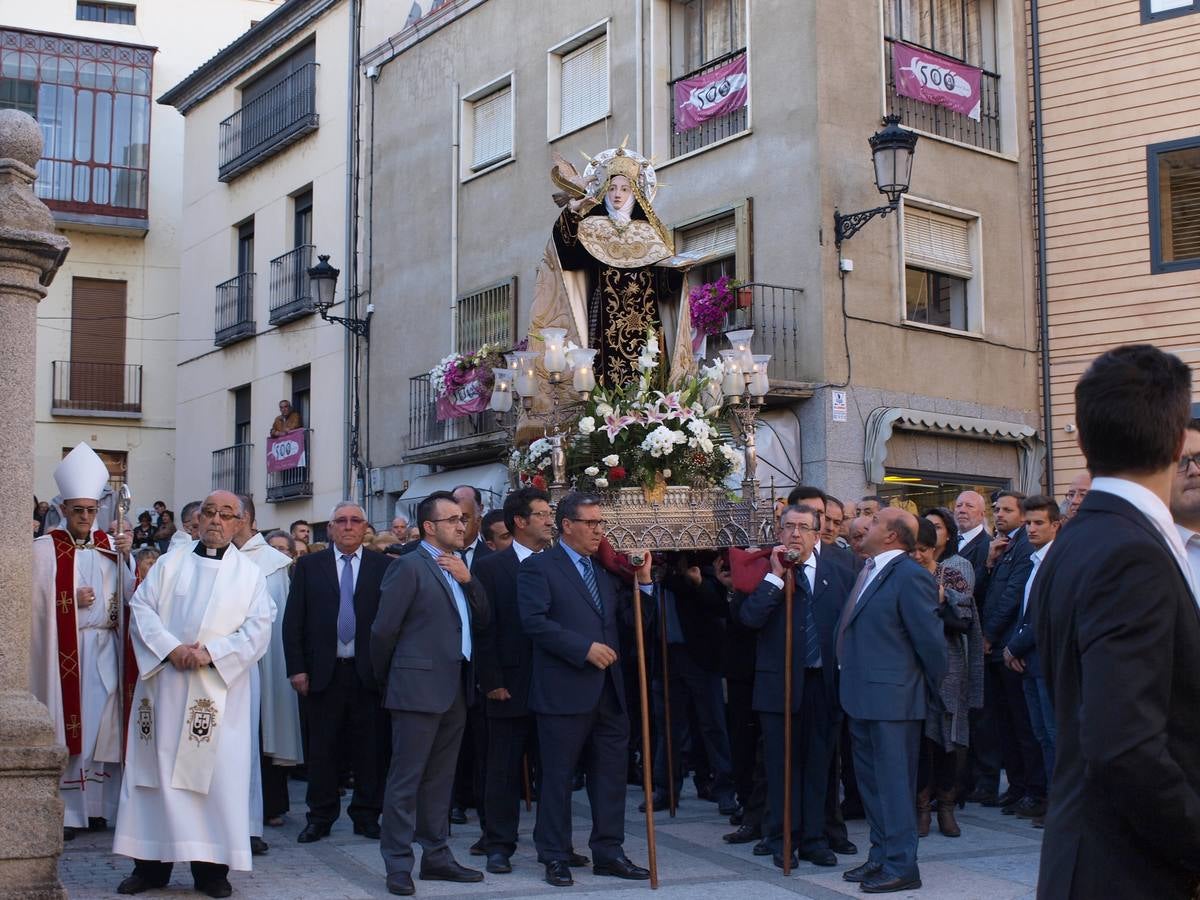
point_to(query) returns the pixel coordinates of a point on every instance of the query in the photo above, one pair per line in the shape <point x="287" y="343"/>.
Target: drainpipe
<point x="350" y="345"/>
<point x="638" y="75"/>
<point x="1043" y="279"/>
<point x="455" y="151"/>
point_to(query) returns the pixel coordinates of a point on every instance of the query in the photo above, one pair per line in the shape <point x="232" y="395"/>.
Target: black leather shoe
<point x="1008" y="798"/>
<point x="69" y="833"/>
<point x="886" y="884"/>
<point x="401" y="884"/>
<point x="217" y="887"/>
<point x="984" y="796"/>
<point x="621" y="867"/>
<point x="312" y="833"/>
<point x="477" y="848"/>
<point x="136" y="884"/>
<point x="821" y="857"/>
<point x="859" y="874"/>
<point x="660" y="801"/>
<point x="762" y="848"/>
<point x="450" y="871"/>
<point x="97" y="823"/>
<point x="578" y="860"/>
<point x="777" y="858"/>
<point x="558" y="874"/>
<point x="744" y="835"/>
<point x="1031" y="808"/>
<point x="843" y="848"/>
<point x="498" y="864"/>
<point x="258" y="846"/>
<point x="367" y="830"/>
<point x="458" y="815"/>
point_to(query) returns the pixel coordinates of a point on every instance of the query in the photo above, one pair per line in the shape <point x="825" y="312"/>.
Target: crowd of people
<point x="465" y="660"/>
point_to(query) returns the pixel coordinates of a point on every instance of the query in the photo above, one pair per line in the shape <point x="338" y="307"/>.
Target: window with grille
<point x="491" y="128"/>
<point x="92" y="101"/>
<point x="582" y="83"/>
<point x="1175" y="205"/>
<point x="487" y="316"/>
<point x="940" y="284"/>
<point x="113" y="13"/>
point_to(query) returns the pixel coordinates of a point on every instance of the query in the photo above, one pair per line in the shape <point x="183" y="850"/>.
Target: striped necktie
<point x="812" y="640"/>
<point x="589" y="578"/>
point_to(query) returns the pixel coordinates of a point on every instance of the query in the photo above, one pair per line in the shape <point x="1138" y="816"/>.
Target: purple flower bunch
<point x="711" y="302"/>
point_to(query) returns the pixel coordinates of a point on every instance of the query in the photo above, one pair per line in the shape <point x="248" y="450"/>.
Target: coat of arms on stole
<point x="202" y="720"/>
<point x="145" y="720"/>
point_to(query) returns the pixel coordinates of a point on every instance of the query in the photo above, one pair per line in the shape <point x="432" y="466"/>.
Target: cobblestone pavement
<point x="995" y="859"/>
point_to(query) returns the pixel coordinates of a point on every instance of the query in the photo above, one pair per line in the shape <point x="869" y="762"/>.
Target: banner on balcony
<point x="933" y="78"/>
<point x="710" y="94"/>
<point x="470" y="397"/>
<point x="286" y="451"/>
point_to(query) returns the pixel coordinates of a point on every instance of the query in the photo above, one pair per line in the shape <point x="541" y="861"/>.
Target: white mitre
<point x="81" y="474"/>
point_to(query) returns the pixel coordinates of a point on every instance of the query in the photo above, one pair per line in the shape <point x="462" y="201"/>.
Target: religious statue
<point x="609" y="272"/>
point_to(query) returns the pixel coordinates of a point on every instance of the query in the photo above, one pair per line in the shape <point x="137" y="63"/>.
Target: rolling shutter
<point x="492" y="127"/>
<point x="97" y="341"/>
<point x="716" y="237"/>
<point x="584" y="85"/>
<point x="934" y="241"/>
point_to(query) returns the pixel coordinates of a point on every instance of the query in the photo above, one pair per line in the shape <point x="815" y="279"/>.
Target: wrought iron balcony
<point x="714" y="129"/>
<point x="231" y="468"/>
<point x="107" y="390"/>
<point x="292" y="484"/>
<point x="269" y="123"/>
<point x="468" y="439"/>
<point x="235" y="309"/>
<point x="774" y="312"/>
<point x="290" y="295"/>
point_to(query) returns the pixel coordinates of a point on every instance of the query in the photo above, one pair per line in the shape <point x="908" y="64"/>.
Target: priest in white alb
<point x="199" y="622"/>
<point x="73" y="666"/>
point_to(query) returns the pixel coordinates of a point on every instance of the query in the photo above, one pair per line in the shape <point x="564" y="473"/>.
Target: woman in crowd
<point x="166" y="528"/>
<point x="947" y="724"/>
<point x="143" y="531"/>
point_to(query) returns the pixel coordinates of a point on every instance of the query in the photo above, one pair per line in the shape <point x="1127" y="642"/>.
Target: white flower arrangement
<point x="587" y="425"/>
<point x="593" y="471"/>
<point x="601" y="483"/>
<point x="611" y="460"/>
<point x="662" y="441"/>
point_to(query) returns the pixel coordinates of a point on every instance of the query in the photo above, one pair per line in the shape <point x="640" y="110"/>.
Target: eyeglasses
<point x="348" y="520"/>
<point x="796" y="526"/>
<point x="1187" y="461"/>
<point x="457" y="520"/>
<point x="593" y="524"/>
<point x="541" y="514"/>
<point x="84" y="510"/>
<point x="223" y="515"/>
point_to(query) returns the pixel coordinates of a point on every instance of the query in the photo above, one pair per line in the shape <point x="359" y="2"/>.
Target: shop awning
<point x="491" y="479"/>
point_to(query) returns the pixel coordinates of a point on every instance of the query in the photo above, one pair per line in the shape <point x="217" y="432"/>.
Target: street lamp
<point x="322" y="282"/>
<point x="892" y="156"/>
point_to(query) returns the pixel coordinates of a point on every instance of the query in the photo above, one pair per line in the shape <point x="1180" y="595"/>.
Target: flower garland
<point x="456" y="369"/>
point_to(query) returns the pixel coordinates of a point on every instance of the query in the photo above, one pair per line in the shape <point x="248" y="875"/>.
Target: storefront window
<point x="917" y="491"/>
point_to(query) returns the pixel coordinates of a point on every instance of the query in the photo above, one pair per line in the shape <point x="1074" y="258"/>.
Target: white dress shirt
<point x="523" y="552"/>
<point x="468" y="553"/>
<point x="1191" y="544"/>
<point x="1036" y="558"/>
<point x="967" y="536"/>
<point x="881" y="560"/>
<point x="346" y="651"/>
<point x="809" y="567"/>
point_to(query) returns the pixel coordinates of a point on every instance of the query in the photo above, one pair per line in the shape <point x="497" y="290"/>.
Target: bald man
<point x="1076" y="491"/>
<point x="892" y="655"/>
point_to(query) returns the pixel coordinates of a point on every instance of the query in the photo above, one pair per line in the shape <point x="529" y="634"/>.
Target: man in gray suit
<point x="421" y="652"/>
<point x="892" y="655"/>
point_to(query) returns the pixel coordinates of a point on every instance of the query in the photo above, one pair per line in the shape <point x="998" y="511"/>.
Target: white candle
<point x="556" y="359"/>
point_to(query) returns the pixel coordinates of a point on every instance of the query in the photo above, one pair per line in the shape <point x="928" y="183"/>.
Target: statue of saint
<point x="607" y="274"/>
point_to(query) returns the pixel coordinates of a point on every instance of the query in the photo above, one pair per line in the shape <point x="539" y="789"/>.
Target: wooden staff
<point x="666" y="679"/>
<point x="525" y="780"/>
<point x="637" y="559"/>
<point x="789" y="590"/>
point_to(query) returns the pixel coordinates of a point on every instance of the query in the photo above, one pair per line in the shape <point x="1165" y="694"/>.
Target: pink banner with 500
<point x="710" y="94"/>
<point x="286" y="451"/>
<point x="933" y="78"/>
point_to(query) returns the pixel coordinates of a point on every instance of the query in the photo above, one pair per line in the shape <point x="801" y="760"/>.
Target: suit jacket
<point x="1004" y="592"/>
<point x="702" y="612"/>
<point x="1023" y="643"/>
<point x="503" y="654"/>
<point x="416" y="641"/>
<point x="764" y="611"/>
<point x="894" y="647"/>
<point x="975" y="551"/>
<point x="1119" y="635"/>
<point x="482" y="552"/>
<point x="843" y="556"/>
<point x="310" y="620"/>
<point x="559" y="619"/>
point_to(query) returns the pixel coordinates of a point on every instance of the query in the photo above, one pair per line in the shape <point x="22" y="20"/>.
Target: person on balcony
<point x="287" y="420"/>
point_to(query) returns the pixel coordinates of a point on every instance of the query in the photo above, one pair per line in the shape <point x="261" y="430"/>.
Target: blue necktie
<point x="345" y="628"/>
<point x="589" y="578"/>
<point x="812" y="640"/>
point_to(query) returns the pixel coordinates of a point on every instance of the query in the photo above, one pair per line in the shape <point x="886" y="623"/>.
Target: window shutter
<point x="941" y="243"/>
<point x="487" y="316"/>
<point x="1185" y="212"/>
<point x="584" y="86"/>
<point x="717" y="237"/>
<point x="492" y="128"/>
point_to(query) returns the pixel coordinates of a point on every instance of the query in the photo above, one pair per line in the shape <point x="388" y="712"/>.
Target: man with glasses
<point x="326" y="641"/>
<point x="1185" y="498"/>
<point x="422" y="651"/>
<point x="75" y="641"/>
<point x="199" y="623"/>
<point x="821" y="588"/>
<point x="569" y="610"/>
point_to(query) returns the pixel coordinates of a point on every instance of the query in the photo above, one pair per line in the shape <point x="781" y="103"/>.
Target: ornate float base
<point x="687" y="518"/>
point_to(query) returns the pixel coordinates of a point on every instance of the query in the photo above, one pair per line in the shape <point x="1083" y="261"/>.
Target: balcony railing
<point x="292" y="484"/>
<point x="456" y="440"/>
<point x="111" y="390"/>
<point x="290" y="296"/>
<point x="269" y="123"/>
<point x="774" y="313"/>
<point x="944" y="122"/>
<point x="714" y="129"/>
<point x="235" y="309"/>
<point x="231" y="468"/>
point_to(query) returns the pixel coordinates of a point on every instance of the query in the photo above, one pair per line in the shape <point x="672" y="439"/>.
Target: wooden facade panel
<point x="1118" y="296"/>
<point x="1152" y="303"/>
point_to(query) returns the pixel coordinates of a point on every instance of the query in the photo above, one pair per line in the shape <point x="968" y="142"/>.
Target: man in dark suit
<point x="821" y="588"/>
<point x="421" y="650"/>
<point x="569" y="609"/>
<point x="1119" y="636"/>
<point x="326" y="640"/>
<point x="1005" y="575"/>
<point x="503" y="660"/>
<point x="892" y="655"/>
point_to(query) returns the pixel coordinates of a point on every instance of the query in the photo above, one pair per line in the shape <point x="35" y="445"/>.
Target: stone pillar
<point x="30" y="758"/>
